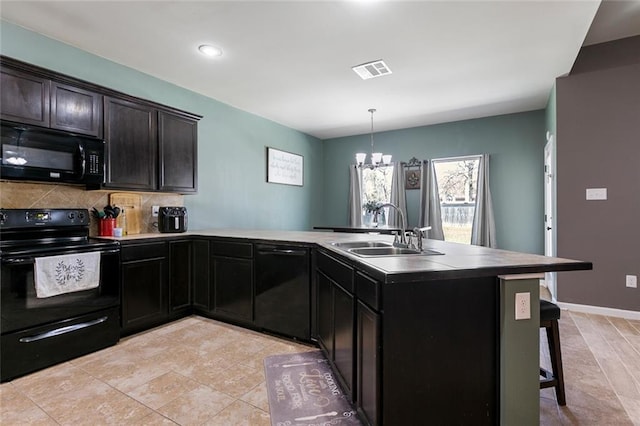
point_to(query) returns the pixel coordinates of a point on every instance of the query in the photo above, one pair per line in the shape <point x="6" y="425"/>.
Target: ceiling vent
<point x="372" y="69"/>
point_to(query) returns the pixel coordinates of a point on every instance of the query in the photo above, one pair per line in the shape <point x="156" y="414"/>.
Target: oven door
<point x="21" y="309"/>
<point x="41" y="332"/>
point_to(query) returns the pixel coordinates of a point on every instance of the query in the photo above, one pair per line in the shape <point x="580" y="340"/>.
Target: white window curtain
<point x="398" y="196"/>
<point x="430" y="201"/>
<point x="483" y="232"/>
<point x="355" y="196"/>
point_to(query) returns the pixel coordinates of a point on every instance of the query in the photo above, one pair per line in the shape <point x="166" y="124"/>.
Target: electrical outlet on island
<point x="523" y="306"/>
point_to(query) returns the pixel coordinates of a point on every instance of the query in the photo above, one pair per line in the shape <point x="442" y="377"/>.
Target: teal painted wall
<point x="231" y="163"/>
<point x="515" y="143"/>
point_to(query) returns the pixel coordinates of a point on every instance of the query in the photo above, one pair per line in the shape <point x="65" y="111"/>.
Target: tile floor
<point x="202" y="372"/>
<point x="195" y="371"/>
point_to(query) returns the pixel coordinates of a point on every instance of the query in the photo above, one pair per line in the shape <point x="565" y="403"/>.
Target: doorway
<point x="549" y="210"/>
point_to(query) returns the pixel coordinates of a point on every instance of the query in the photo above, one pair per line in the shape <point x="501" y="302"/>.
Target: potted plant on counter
<point x="372" y="214"/>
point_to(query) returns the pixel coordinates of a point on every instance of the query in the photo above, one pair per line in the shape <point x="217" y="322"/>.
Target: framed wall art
<point x="412" y="174"/>
<point x="284" y="167"/>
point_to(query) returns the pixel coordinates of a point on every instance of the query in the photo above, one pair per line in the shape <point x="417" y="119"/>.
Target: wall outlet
<point x="632" y="281"/>
<point x="523" y="306"/>
<point x="155" y="210"/>
<point x="596" y="193"/>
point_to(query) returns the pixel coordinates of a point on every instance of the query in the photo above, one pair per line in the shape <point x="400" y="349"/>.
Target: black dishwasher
<point x="282" y="302"/>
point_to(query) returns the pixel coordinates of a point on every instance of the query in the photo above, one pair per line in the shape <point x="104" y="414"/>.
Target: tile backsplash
<point x="22" y="195"/>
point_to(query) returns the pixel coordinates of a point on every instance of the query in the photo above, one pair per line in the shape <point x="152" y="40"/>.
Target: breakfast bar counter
<point x="421" y="338"/>
<point x="457" y="260"/>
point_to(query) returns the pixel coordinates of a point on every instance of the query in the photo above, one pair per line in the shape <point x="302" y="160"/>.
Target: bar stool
<point x="549" y="316"/>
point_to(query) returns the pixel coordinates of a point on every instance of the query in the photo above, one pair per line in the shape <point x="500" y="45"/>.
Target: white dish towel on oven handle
<point x="56" y="275"/>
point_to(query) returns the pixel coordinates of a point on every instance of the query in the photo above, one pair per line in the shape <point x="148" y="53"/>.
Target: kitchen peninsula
<point x="413" y="338"/>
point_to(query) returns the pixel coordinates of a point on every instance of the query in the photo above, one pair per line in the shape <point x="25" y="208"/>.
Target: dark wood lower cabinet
<point x="368" y="364"/>
<point x="336" y="318"/>
<point x="180" y="256"/>
<point x="156" y="279"/>
<point x="201" y="287"/>
<point x="344" y="349"/>
<point x="230" y="281"/>
<point x="145" y="286"/>
<point x="325" y="313"/>
<point x="439" y="360"/>
<point x="232" y="288"/>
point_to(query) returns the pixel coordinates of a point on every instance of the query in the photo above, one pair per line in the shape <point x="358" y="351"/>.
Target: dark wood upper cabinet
<point x="76" y="110"/>
<point x="32" y="99"/>
<point x="149" y="146"/>
<point x="178" y="144"/>
<point x="25" y="97"/>
<point x="131" y="145"/>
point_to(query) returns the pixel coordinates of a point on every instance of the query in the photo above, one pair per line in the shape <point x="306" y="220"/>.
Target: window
<point x="376" y="188"/>
<point x="458" y="187"/>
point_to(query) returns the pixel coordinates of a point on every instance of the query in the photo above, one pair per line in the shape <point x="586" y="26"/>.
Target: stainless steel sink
<point x="362" y="244"/>
<point x="390" y="251"/>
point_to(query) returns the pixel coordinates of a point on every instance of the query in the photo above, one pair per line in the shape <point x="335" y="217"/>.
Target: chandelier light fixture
<point x="377" y="158"/>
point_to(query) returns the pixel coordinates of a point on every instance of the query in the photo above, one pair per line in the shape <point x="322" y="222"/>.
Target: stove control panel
<point x="23" y="218"/>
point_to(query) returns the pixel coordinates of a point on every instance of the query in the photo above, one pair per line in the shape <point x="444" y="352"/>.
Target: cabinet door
<point x="325" y="314"/>
<point x="368" y="365"/>
<point x="344" y="350"/>
<point x="131" y="145"/>
<point x="24" y="98"/>
<point x="232" y="287"/>
<point x="178" y="142"/>
<point x="201" y="275"/>
<point x="76" y="110"/>
<point x="144" y="285"/>
<point x="180" y="276"/>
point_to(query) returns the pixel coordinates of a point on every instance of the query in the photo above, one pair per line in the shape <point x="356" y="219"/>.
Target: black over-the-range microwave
<point x="33" y="153"/>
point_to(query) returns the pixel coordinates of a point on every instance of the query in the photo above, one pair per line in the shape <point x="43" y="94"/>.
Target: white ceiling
<point x="291" y="61"/>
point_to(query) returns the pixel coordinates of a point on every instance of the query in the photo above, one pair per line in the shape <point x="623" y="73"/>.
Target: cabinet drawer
<point x="231" y="249"/>
<point x="368" y="291"/>
<point x="143" y="251"/>
<point x="336" y="270"/>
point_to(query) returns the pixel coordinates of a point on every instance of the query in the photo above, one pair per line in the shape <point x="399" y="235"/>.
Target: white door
<point x="549" y="210"/>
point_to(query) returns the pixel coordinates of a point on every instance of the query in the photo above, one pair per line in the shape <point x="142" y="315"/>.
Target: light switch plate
<point x="632" y="281"/>
<point x="523" y="306"/>
<point x="596" y="193"/>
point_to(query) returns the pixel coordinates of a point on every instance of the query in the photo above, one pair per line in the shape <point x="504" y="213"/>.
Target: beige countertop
<point x="457" y="260"/>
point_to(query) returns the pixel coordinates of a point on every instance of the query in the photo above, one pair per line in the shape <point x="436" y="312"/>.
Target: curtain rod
<point x="414" y="162"/>
<point x="458" y="158"/>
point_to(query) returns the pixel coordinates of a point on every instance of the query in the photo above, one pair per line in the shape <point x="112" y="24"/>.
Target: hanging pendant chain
<point x="372" y="110"/>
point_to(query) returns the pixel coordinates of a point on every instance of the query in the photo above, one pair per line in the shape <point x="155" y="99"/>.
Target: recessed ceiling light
<point x="372" y="69"/>
<point x="209" y="50"/>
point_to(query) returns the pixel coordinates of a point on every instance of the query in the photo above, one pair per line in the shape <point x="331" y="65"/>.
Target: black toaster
<point x="172" y="219"/>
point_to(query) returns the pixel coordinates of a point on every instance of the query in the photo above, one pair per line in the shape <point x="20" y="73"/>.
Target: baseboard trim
<point x="599" y="310"/>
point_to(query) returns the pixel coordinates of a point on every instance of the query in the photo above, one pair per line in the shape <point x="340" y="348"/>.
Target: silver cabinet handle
<point x="282" y="251"/>
<point x="62" y="330"/>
